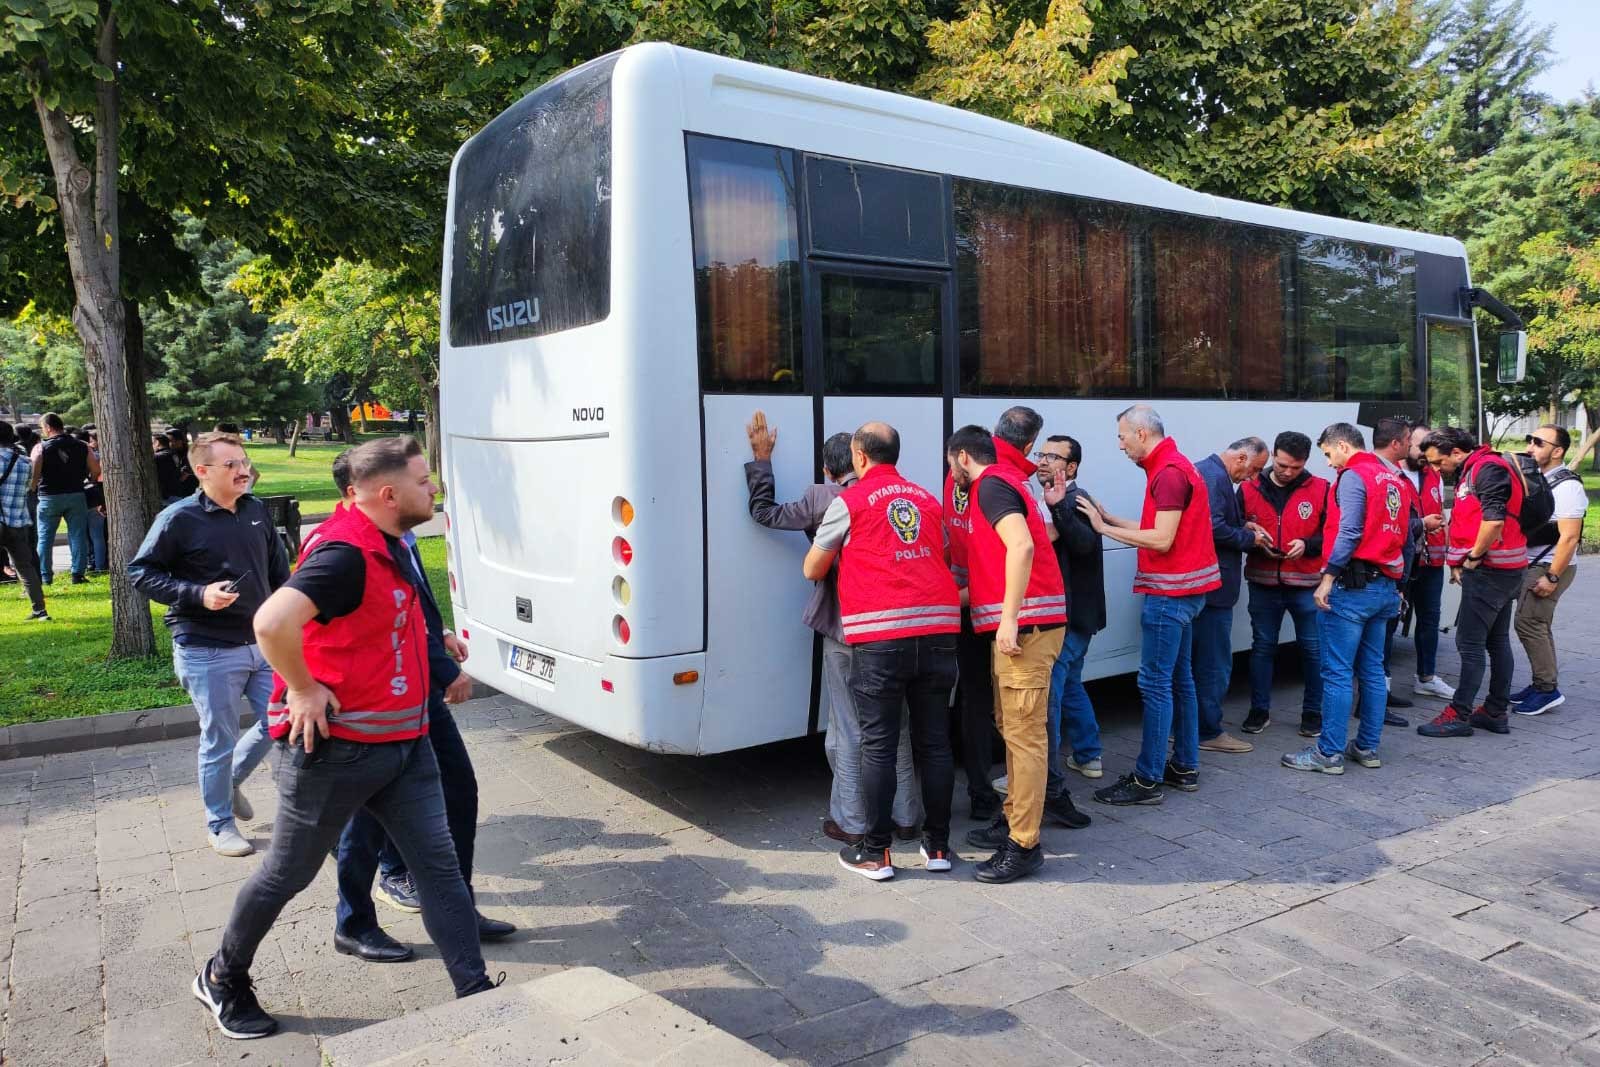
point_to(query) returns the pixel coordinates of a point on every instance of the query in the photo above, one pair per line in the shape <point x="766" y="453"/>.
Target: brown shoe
<point x="835" y="831"/>
<point x="1226" y="743"/>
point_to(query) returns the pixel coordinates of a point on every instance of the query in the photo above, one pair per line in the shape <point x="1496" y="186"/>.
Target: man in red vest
<point x="1015" y="592"/>
<point x="1291" y="504"/>
<point x="1488" y="555"/>
<point x="1368" y="542"/>
<point x="350" y="649"/>
<point x="1177" y="567"/>
<point x="900" y="611"/>
<point x="1426" y="590"/>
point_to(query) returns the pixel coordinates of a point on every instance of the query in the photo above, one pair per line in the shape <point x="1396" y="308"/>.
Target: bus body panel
<point x="710" y="590"/>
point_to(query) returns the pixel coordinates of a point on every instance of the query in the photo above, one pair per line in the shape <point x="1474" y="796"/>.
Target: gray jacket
<point x="822" y="610"/>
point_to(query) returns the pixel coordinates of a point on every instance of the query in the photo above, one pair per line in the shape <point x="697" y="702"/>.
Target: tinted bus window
<point x="1222" y="315"/>
<point x="881" y="335"/>
<point x="742" y="209"/>
<point x="1358" y="321"/>
<point x="1047" y="293"/>
<point x="1452" y="376"/>
<point x="857" y="209"/>
<point x="531" y="248"/>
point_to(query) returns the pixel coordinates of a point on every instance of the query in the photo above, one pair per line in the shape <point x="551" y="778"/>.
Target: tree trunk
<point x="431" y="396"/>
<point x="294" y="439"/>
<point x="89" y="218"/>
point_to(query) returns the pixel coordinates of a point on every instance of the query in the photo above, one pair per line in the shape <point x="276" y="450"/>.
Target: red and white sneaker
<point x="936" y="857"/>
<point x="871" y="863"/>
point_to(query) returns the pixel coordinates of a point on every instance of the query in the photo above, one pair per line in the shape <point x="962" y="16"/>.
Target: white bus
<point x="647" y="249"/>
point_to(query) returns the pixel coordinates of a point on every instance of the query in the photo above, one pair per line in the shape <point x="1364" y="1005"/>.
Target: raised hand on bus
<point x="762" y="438"/>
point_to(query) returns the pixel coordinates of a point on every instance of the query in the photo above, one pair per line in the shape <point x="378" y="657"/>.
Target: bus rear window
<point x="531" y="247"/>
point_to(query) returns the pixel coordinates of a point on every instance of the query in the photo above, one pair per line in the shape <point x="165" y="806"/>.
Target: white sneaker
<point x="1434" y="687"/>
<point x="242" y="808"/>
<point x="1002" y="784"/>
<point x="229" y="842"/>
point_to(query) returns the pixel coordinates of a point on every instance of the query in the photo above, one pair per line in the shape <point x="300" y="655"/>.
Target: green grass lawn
<point x="305" y="475"/>
<point x="58" y="669"/>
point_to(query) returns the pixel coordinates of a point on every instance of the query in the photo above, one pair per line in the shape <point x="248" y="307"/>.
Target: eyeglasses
<point x="1535" y="439"/>
<point x="236" y="466"/>
<point x="1049" y="457"/>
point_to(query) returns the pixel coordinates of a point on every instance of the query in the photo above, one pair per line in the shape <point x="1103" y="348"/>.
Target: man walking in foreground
<point x="1552" y="555"/>
<point x="213" y="558"/>
<point x="353" y="675"/>
<point x="1177" y="567"/>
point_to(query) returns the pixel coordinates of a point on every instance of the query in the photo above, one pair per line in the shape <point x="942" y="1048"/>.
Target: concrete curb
<point x="114" y="728"/>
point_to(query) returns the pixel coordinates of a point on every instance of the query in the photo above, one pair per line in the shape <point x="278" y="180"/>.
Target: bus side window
<point x="747" y="269"/>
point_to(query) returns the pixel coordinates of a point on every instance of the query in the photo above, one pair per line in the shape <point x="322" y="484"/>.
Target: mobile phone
<point x="233" y="586"/>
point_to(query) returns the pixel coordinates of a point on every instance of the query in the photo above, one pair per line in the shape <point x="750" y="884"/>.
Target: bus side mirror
<point x="1513" y="366"/>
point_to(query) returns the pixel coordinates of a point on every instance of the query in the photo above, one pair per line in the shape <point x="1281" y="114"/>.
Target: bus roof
<point x="714" y="89"/>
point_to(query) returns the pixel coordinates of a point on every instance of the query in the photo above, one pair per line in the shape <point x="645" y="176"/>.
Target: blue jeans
<point x="1166" y="680"/>
<point x="1427" y="590"/>
<point x="1070" y="706"/>
<point x="216" y="679"/>
<point x="318" y="792"/>
<point x="97" y="541"/>
<point x="364" y="848"/>
<point x="74" y="507"/>
<point x="1213" y="665"/>
<point x="1267" y="606"/>
<point x="1353" y="632"/>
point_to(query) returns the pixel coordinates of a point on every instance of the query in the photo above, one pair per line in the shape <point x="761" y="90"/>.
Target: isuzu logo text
<point x="516" y="313"/>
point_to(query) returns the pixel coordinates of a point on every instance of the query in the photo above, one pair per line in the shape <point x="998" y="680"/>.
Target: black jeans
<point x="398" y="782"/>
<point x="16" y="542"/>
<point x="917" y="672"/>
<point x="1488" y="601"/>
<point x="975" y="655"/>
<point x="365" y="849"/>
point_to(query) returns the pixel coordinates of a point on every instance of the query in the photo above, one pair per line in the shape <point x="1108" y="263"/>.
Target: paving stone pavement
<point x="1443" y="910"/>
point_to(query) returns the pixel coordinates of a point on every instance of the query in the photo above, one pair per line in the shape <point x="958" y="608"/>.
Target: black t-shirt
<point x="65" y="465"/>
<point x="334" y="576"/>
<point x="997" y="499"/>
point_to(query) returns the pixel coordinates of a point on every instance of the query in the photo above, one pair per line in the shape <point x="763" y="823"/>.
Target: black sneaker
<point x="1010" y="863"/>
<point x="1391" y="719"/>
<point x="1395" y="700"/>
<point x="78" y="579"/>
<point x="39" y="616"/>
<point x="1063" y="811"/>
<point x="1486" y="720"/>
<point x="1178" y="778"/>
<point x="871" y="863"/>
<point x="992" y="836"/>
<point x="400" y="893"/>
<point x="234" y="1005"/>
<point x="985" y="808"/>
<point x="1256" y="721"/>
<point x="1130" y="789"/>
<point x="1310" y="725"/>
<point x="908" y="833"/>
<point x="936" y="855"/>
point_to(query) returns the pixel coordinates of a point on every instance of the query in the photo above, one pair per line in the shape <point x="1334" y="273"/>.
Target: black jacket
<point x="193" y="543"/>
<point x="1079" y="551"/>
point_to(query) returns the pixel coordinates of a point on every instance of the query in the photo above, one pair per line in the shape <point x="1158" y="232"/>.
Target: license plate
<point x="533" y="663"/>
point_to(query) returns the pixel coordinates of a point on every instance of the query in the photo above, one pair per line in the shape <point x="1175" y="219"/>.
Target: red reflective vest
<point x="1431" y="499"/>
<point x="893" y="580"/>
<point x="1190" y="565"/>
<point x="376" y="658"/>
<point x="957" y="526"/>
<point x="1301" y="519"/>
<point x="1509" y="552"/>
<point x="1044" y="602"/>
<point x="1387" y="522"/>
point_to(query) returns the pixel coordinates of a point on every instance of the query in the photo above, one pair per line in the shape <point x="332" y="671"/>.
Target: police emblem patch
<point x="905" y="519"/>
<point x="959" y="498"/>
<point x="1392" y="502"/>
<point x="1437" y="495"/>
<point x="1305" y="509"/>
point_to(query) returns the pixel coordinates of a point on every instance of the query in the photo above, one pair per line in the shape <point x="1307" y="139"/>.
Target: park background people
<point x="62" y="465"/>
<point x="17" y="532"/>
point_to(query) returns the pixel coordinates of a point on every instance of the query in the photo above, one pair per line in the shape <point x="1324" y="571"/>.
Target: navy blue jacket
<point x="442" y="667"/>
<point x="193" y="543"/>
<point x="1227" y="530"/>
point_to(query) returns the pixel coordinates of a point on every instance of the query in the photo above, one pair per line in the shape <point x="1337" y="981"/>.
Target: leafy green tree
<point x="210" y="350"/>
<point x="41" y="366"/>
<point x="1486" y="56"/>
<point x="114" y="114"/>
<point x="363" y="325"/>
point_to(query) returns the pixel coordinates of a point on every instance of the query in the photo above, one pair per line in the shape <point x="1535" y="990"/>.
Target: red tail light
<point x="620" y="630"/>
<point x="621" y="551"/>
